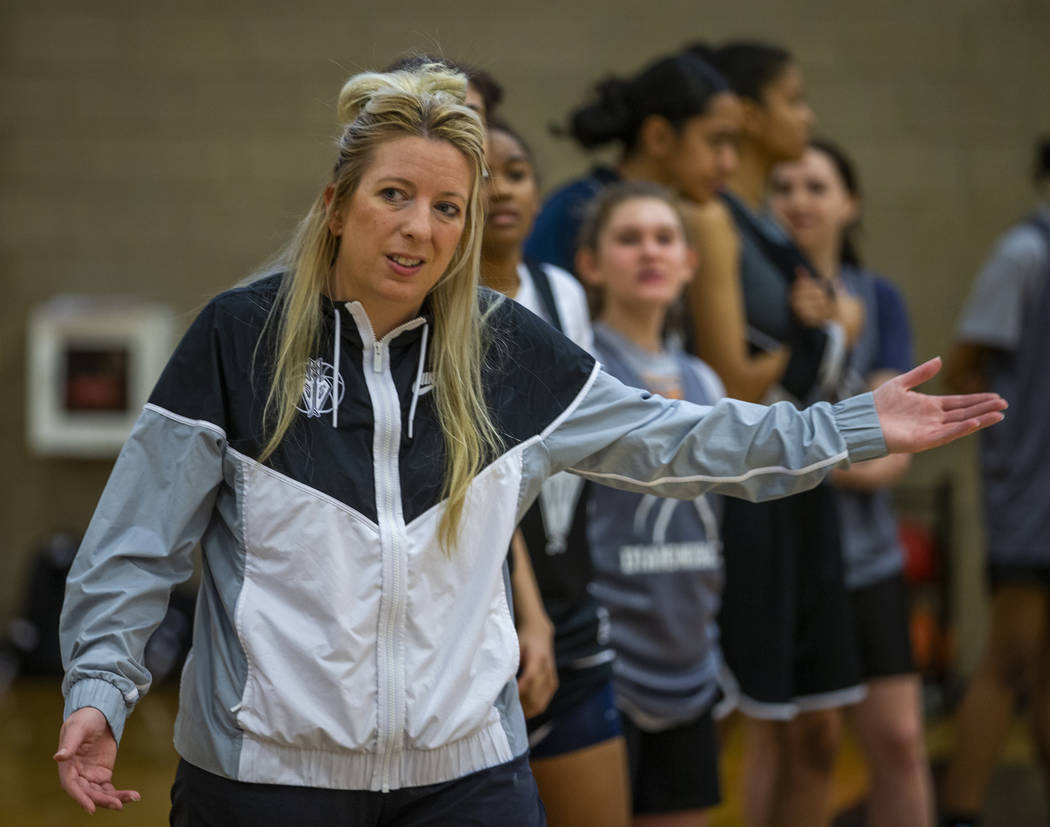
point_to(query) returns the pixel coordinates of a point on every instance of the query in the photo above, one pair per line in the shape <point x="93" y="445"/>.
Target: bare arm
<point x="716" y="306"/>
<point x="873" y="474"/>
<point x="538" y="678"/>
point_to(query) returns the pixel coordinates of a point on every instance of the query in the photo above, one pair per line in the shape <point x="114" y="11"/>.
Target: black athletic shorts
<point x="883" y="631"/>
<point x="1004" y="574"/>
<point x="500" y="796"/>
<point x="675" y="769"/>
<point x="787" y="628"/>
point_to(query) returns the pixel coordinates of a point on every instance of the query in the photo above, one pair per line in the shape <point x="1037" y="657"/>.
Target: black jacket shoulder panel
<point x="220" y="374"/>
<point x="213" y="375"/>
<point x="531" y="374"/>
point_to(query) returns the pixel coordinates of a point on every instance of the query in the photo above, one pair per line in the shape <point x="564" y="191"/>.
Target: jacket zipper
<point x="394" y="556"/>
<point x="386" y="412"/>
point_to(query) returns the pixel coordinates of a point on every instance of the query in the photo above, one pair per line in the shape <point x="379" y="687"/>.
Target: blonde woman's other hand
<point x="86" y="754"/>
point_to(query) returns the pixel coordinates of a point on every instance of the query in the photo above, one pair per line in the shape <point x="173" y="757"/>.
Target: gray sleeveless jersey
<point x="658" y="568"/>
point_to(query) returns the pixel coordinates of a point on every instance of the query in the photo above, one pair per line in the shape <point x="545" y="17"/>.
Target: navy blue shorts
<point x="591" y="721"/>
<point x="501" y="796"/>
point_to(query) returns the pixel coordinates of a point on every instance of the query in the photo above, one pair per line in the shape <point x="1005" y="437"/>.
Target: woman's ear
<point x="853" y="211"/>
<point x="752" y="117"/>
<point x="587" y="267"/>
<point x="692" y="261"/>
<point x="656" y="137"/>
<point x="334" y="219"/>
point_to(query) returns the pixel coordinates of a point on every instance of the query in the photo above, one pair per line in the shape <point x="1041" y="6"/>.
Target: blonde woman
<point x="352" y="442"/>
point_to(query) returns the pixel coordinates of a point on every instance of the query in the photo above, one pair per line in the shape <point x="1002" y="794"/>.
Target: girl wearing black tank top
<point x="759" y="320"/>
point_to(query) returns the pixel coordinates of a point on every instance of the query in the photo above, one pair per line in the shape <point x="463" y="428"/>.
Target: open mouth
<point x="404" y="265"/>
<point x="405" y="261"/>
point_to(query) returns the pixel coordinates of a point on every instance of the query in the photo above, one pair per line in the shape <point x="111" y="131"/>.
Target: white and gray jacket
<point x="335" y="644"/>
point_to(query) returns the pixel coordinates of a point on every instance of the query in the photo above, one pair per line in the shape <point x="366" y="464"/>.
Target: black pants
<point x="501" y="796"/>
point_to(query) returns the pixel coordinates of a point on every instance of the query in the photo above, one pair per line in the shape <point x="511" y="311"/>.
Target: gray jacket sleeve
<point x="627" y="438"/>
<point x="138" y="546"/>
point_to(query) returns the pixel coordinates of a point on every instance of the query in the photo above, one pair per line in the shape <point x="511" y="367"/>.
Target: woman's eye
<point x="449" y="210"/>
<point x="391" y="194"/>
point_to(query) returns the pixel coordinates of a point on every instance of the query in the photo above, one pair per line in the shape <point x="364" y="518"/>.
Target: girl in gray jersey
<point x="658" y="562"/>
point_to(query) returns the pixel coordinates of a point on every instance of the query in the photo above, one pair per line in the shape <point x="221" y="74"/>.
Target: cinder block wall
<point x="167" y="149"/>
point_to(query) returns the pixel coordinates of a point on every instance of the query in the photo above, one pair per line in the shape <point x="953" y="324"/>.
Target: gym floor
<point x="30" y="715"/>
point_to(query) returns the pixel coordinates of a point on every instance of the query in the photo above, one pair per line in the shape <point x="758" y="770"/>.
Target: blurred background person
<point x="1003" y="343"/>
<point x="818" y="199"/>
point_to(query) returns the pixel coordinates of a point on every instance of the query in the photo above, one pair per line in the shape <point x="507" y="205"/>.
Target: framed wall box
<point x="91" y="364"/>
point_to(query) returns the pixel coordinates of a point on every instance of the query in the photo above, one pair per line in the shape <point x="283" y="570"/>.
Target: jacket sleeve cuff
<point x="103" y="696"/>
<point x="858" y="423"/>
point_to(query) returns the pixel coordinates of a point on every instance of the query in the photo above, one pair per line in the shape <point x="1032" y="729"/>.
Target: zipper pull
<point x="377" y="357"/>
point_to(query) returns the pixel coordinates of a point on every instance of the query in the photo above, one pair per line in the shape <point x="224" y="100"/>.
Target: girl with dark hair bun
<point x="819" y="199"/>
<point x="675" y="122"/>
<point x="772" y="330"/>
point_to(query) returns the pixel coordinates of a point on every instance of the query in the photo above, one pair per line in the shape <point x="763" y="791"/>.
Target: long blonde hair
<point x="374" y="108"/>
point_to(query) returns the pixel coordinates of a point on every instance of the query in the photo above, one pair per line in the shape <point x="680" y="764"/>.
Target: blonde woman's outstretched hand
<point x="913" y="421"/>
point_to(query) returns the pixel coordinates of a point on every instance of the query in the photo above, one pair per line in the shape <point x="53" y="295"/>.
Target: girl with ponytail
<point x="675" y="124"/>
<point x="772" y="329"/>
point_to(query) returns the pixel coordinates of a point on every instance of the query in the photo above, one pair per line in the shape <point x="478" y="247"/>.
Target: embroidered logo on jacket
<point x="426" y="382"/>
<point x="322" y="390"/>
